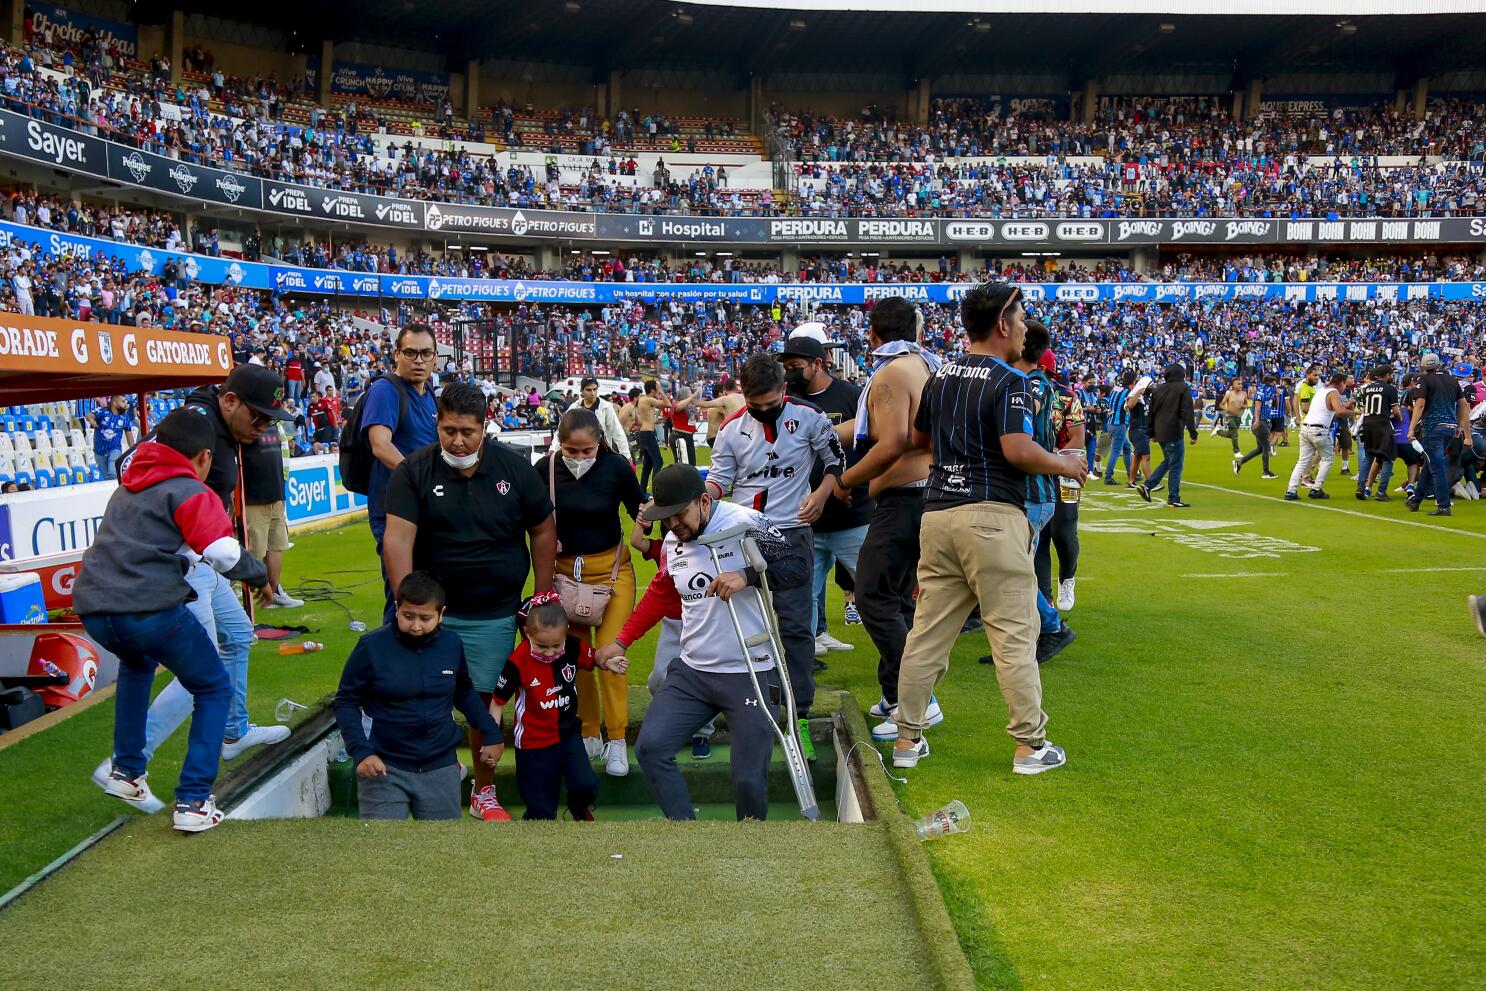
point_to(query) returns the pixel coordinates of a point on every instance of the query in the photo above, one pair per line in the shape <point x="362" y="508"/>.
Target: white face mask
<point x="462" y="463"/>
<point x="579" y="466"/>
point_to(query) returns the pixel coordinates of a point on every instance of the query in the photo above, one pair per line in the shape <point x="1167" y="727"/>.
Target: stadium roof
<point x="662" y="34"/>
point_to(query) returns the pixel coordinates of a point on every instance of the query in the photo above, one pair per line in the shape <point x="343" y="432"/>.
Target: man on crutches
<point x="708" y="582"/>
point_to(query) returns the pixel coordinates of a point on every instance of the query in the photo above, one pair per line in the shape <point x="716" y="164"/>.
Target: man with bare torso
<point x="728" y="400"/>
<point x="895" y="472"/>
<point x="1231" y="408"/>
<point x="650" y="403"/>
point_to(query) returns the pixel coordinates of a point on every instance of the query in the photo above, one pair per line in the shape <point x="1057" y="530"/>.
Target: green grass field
<point x="1275" y="780"/>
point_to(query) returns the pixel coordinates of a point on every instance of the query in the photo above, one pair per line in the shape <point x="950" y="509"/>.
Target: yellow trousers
<point x="613" y="688"/>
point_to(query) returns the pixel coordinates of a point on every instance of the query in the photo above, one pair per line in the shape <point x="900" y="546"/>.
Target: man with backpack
<point x="395" y="417"/>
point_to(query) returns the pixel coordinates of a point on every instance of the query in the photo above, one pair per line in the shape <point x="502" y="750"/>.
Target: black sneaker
<point x="973" y="624"/>
<point x="1143" y="492"/>
<point x="1413" y="506"/>
<point x="1158" y="487"/>
<point x="1291" y="496"/>
<point x="1178" y="504"/>
<point x="988" y="658"/>
<point x="1319" y="494"/>
<point x="1347" y="472"/>
<point x="1382" y="496"/>
<point x="1269" y="474"/>
<point x="1438" y="511"/>
<point x="1050" y="645"/>
<point x="1361" y="495"/>
<point x="701" y="748"/>
<point x="1236" y="466"/>
<point x="817" y="665"/>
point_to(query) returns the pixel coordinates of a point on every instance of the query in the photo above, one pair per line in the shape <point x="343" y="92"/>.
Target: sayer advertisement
<point x="65" y="520"/>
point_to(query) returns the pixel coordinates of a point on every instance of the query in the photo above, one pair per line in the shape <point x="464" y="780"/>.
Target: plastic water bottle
<point x="358" y="626"/>
<point x="308" y="647"/>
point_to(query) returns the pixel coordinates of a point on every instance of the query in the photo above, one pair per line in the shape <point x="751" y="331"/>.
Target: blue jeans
<point x="830" y="548"/>
<point x="1174" y="455"/>
<point x="1436" y="464"/>
<point x="176" y="639"/>
<point x="110" y="463"/>
<point x="1091" y="448"/>
<point x="1118" y="446"/>
<point x="1364" y="465"/>
<point x="220" y="613"/>
<point x="1039" y="514"/>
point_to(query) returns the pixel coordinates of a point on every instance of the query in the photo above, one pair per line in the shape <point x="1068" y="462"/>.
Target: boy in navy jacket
<point x="406" y="676"/>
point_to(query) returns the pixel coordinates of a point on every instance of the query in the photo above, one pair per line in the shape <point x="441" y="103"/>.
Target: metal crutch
<point x="788" y="737"/>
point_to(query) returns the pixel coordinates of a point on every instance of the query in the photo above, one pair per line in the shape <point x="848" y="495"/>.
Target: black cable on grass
<point x="324" y="590"/>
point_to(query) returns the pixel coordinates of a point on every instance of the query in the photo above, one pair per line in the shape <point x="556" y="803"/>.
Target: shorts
<point x="268" y="528"/>
<point x="487" y="646"/>
<point x="1379" y="440"/>
<point x="1277" y="425"/>
<point x="1343" y="435"/>
<point x="1140" y="443"/>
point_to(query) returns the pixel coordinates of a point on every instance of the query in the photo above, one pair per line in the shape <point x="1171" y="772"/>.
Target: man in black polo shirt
<point x="975" y="543"/>
<point x="463" y="510"/>
<point x="843" y="523"/>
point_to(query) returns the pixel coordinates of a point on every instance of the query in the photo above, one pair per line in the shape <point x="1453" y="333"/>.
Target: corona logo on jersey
<point x="68" y="654"/>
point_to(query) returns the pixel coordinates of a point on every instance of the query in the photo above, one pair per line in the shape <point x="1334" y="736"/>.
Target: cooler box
<point x="21" y="600"/>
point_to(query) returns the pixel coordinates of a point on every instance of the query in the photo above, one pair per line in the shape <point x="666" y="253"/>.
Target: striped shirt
<point x="1041" y="488"/>
<point x="965" y="409"/>
<point x="1118" y="414"/>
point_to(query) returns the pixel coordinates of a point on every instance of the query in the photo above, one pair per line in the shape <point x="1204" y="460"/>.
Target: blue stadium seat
<point x="79" y="475"/>
<point x="95" y="473"/>
<point x="61" y="477"/>
<point x="23" y="477"/>
<point x="44" y="423"/>
<point x="43" y="479"/>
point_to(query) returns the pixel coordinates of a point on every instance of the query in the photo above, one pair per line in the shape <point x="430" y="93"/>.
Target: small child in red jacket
<point x="539" y="675"/>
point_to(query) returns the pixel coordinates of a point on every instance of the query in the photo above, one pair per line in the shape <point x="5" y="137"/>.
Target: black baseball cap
<point x="676" y="487"/>
<point x="805" y="347"/>
<point x="260" y="389"/>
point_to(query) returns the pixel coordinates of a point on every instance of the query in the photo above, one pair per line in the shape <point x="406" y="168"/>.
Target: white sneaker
<point x="821" y="650"/>
<point x="593" y="746"/>
<point x="910" y="758"/>
<point x="1065" y="595"/>
<point x="1237" y="456"/>
<point x="283" y="600"/>
<point x="616" y="759"/>
<point x="197" y="818"/>
<point x="1046" y="758"/>
<point x="135" y="792"/>
<point x="831" y="643"/>
<point x="888" y="730"/>
<point x="880" y="709"/>
<point x="255" y="736"/>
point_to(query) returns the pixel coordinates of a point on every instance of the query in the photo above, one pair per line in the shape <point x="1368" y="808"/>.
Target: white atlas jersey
<point x="768" y="468"/>
<point x="708" y="640"/>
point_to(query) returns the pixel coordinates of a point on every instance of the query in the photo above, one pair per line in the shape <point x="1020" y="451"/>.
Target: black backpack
<point x="356" y="452"/>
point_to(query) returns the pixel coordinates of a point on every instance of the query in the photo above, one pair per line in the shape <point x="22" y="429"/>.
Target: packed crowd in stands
<point x="1163" y="157"/>
<point x="1261" y="187"/>
<point x="1192" y="129"/>
<point x="162" y="230"/>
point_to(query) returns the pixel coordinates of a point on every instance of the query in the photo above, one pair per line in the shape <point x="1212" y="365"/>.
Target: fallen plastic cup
<point x="286" y="709"/>
<point x="945" y="821"/>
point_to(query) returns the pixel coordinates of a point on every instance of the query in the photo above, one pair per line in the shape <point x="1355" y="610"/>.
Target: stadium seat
<point x="20" y="443"/>
<point x="75" y="459"/>
<point x="24" y="478"/>
<point x="76" y="441"/>
<point x="59" y="440"/>
<point x="6" y="447"/>
<point x="80" y="475"/>
<point x="41" y="480"/>
<point x="43" y="443"/>
<point x="61" y="477"/>
<point x="7" y="465"/>
<point x="95" y="473"/>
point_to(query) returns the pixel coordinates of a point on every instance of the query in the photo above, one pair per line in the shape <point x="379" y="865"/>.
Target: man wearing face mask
<point x="762" y="460"/>
<point x="711" y="675"/>
<point x="842" y="526"/>
<point x="463" y="510"/>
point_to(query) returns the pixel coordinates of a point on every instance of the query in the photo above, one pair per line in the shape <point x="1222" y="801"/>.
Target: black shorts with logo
<point x="1379" y="441"/>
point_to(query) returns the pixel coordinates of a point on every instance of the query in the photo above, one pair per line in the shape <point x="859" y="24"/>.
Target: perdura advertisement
<point x="67" y="149"/>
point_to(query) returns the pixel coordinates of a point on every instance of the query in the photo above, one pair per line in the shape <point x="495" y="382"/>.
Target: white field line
<point x="1245" y="574"/>
<point x="1313" y="504"/>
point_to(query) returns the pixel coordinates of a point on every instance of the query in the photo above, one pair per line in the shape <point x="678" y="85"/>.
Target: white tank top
<point x="1320" y="413"/>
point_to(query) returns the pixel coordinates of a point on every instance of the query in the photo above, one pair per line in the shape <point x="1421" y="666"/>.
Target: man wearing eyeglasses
<point x="399" y="417"/>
